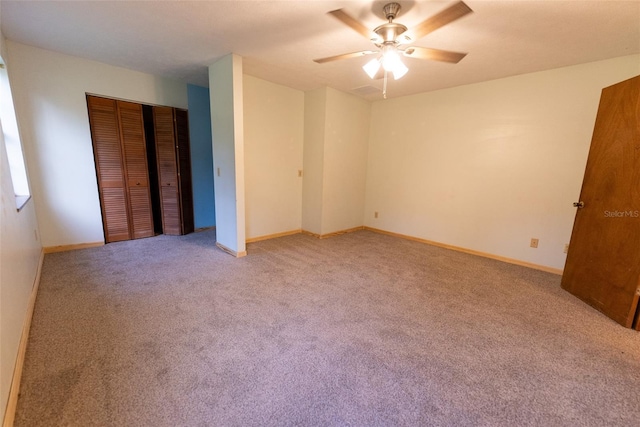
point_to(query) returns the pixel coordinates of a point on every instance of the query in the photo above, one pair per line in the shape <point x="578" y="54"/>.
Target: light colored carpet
<point x="356" y="330"/>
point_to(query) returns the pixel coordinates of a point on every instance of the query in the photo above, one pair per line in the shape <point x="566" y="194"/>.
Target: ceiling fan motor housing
<point x="390" y="31"/>
<point x="391" y="11"/>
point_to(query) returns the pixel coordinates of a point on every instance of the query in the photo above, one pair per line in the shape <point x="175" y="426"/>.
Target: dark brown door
<point x="603" y="263"/>
<point x="135" y="157"/>
<point x="107" y="149"/>
<point x="167" y="170"/>
<point x="184" y="169"/>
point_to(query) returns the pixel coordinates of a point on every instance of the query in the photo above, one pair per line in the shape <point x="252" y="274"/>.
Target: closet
<point x="174" y="169"/>
<point x="143" y="168"/>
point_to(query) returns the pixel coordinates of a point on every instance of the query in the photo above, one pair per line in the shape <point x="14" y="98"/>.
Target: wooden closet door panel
<point x="167" y="169"/>
<point x="170" y="210"/>
<point x="105" y="133"/>
<point x="184" y="169"/>
<point x="114" y="201"/>
<point x="140" y="211"/>
<point x="135" y="158"/>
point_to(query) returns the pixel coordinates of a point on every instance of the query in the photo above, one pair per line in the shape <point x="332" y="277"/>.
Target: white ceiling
<point x="279" y="39"/>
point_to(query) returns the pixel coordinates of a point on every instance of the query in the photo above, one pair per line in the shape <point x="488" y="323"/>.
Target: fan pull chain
<point x="384" y="85"/>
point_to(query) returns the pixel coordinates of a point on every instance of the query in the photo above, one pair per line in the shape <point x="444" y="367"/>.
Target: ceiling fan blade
<point x="350" y="21"/>
<point x="344" y="56"/>
<point x="450" y="14"/>
<point x="433" y="54"/>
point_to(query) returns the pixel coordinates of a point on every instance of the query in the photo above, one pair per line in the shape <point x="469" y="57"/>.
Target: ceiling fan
<point x="392" y="38"/>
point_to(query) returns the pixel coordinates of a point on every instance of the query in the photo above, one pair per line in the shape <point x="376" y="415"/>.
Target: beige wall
<point x="19" y="257"/>
<point x="313" y="159"/>
<point x="491" y="165"/>
<point x="49" y="91"/>
<point x="273" y="139"/>
<point x="226" y="88"/>
<point x="335" y="151"/>
<point x="345" y="161"/>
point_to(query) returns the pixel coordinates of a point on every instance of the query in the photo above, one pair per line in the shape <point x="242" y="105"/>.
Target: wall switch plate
<point x="534" y="243"/>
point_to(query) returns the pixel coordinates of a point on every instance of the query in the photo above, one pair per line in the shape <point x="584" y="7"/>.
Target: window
<point x="9" y="127"/>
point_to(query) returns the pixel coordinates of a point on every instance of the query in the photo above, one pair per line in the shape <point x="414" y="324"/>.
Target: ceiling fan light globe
<point x="399" y="71"/>
<point x="390" y="59"/>
<point x="372" y="67"/>
<point x="391" y="63"/>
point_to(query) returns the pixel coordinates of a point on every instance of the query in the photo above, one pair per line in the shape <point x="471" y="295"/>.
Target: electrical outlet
<point x="566" y="248"/>
<point x="534" y="243"/>
<point x="375" y="214"/>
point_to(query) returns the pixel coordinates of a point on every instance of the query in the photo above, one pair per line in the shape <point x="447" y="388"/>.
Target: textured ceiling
<point x="279" y="39"/>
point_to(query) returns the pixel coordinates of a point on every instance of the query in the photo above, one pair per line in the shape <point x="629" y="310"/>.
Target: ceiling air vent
<point x="365" y="90"/>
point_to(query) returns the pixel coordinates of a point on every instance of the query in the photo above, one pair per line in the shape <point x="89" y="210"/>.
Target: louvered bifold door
<point x="107" y="149"/>
<point x="167" y="170"/>
<point x="136" y="168"/>
<point x="184" y="169"/>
